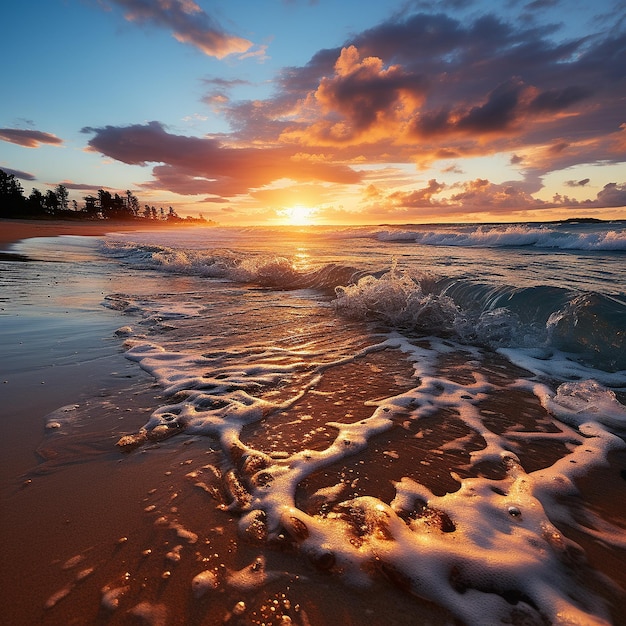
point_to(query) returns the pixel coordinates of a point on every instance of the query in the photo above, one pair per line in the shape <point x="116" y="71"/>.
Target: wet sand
<point x="12" y="231"/>
<point x="87" y="528"/>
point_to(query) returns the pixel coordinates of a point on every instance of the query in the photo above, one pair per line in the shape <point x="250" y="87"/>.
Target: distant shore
<point x="13" y="230"/>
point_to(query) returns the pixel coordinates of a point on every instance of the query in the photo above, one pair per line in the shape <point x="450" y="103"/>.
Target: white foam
<point x="252" y="576"/>
<point x="580" y="402"/>
<point x="503" y="541"/>
<point x="61" y="417"/>
<point x="204" y="582"/>
<point x="151" y="614"/>
<point x="514" y="235"/>
<point x="490" y="545"/>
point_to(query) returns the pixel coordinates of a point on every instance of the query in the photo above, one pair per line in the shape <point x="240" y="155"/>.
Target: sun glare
<point x="298" y="215"/>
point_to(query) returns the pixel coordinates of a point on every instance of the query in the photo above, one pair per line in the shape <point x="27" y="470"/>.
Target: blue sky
<point x="353" y="111"/>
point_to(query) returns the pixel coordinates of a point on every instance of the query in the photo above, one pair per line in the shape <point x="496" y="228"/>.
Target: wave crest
<point x="514" y="235"/>
<point x="397" y="299"/>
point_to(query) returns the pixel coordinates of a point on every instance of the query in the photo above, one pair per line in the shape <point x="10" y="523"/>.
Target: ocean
<point x="417" y="424"/>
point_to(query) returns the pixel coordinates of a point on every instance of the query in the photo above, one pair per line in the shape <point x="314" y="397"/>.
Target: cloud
<point x="365" y="92"/>
<point x="425" y="87"/>
<point x="29" y="138"/>
<point x="423" y="197"/>
<point x="612" y="195"/>
<point x="189" y="24"/>
<point x="416" y="89"/>
<point x="218" y="96"/>
<point x="203" y="165"/>
<point x="481" y="196"/>
<point x="18" y="173"/>
<point x="577" y="183"/>
<point x="68" y="184"/>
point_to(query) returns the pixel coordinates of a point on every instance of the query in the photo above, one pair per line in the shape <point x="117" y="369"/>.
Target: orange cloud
<point x="189" y="24"/>
<point x="416" y="89"/>
<point x="194" y="165"/>
<point x="29" y="138"/>
<point x="476" y="197"/>
<point x="363" y="101"/>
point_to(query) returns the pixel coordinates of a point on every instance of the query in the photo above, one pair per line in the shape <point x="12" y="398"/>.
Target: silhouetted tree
<point x="91" y="206"/>
<point x="57" y="202"/>
<point x="63" y="196"/>
<point x="35" y="204"/>
<point x="105" y="200"/>
<point x="132" y="203"/>
<point x="11" y="195"/>
<point x="51" y="202"/>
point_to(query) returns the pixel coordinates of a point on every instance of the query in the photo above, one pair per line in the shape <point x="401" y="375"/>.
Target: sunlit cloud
<point x="194" y="165"/>
<point x="432" y="87"/>
<point x="29" y="138"/>
<point x="420" y="90"/>
<point x="478" y="196"/>
<point x="188" y="23"/>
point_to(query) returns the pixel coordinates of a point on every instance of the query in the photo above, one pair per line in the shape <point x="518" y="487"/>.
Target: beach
<point x="264" y="426"/>
<point x="12" y="230"/>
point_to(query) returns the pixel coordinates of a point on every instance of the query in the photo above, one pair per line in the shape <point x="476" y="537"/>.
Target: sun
<point x="298" y="215"/>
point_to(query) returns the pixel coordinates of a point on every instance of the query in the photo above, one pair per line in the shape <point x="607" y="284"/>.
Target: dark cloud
<point x="365" y="92"/>
<point x="423" y="87"/>
<point x="18" y="173"/>
<point x="559" y="99"/>
<point x="498" y="113"/>
<point x="140" y="144"/>
<point x="225" y="83"/>
<point x="193" y="165"/>
<point x="29" y="138"/>
<point x="188" y="23"/>
<point x="417" y="88"/>
<point x="539" y="5"/>
<point x="68" y="184"/>
<point x="577" y="183"/>
<point x="451" y="83"/>
<point x="612" y="195"/>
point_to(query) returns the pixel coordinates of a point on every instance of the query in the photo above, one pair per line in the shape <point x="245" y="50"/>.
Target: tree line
<point x="56" y="204"/>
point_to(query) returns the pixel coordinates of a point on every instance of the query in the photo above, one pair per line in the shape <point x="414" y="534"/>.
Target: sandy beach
<point x="17" y="230"/>
<point x="58" y="351"/>
<point x="95" y="347"/>
<point x="74" y="508"/>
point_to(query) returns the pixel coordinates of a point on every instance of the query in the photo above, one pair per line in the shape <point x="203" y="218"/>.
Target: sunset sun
<point x="298" y="215"/>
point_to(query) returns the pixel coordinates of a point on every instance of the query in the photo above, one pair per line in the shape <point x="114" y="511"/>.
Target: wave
<point x="271" y="271"/>
<point x="590" y="325"/>
<point x="514" y="235"/>
<point x="587" y="324"/>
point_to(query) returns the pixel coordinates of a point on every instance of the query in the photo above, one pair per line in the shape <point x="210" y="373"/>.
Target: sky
<point x="322" y="111"/>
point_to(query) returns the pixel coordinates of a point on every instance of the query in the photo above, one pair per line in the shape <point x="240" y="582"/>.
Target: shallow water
<point x="394" y="425"/>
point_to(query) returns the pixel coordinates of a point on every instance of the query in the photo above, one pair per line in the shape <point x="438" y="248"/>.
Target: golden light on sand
<point x="297" y="215"/>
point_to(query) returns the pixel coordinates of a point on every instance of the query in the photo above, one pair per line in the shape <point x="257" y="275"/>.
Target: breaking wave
<point x="588" y="324"/>
<point x="515" y="235"/>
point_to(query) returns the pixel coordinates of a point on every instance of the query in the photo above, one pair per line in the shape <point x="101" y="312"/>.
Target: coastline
<point x="14" y="230"/>
<point x="97" y="534"/>
<point x="57" y="485"/>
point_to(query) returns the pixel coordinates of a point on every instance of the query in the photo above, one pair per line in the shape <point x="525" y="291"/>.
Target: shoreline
<point x="14" y="230"/>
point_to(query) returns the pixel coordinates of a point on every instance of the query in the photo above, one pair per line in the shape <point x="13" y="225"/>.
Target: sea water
<point x="424" y="412"/>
